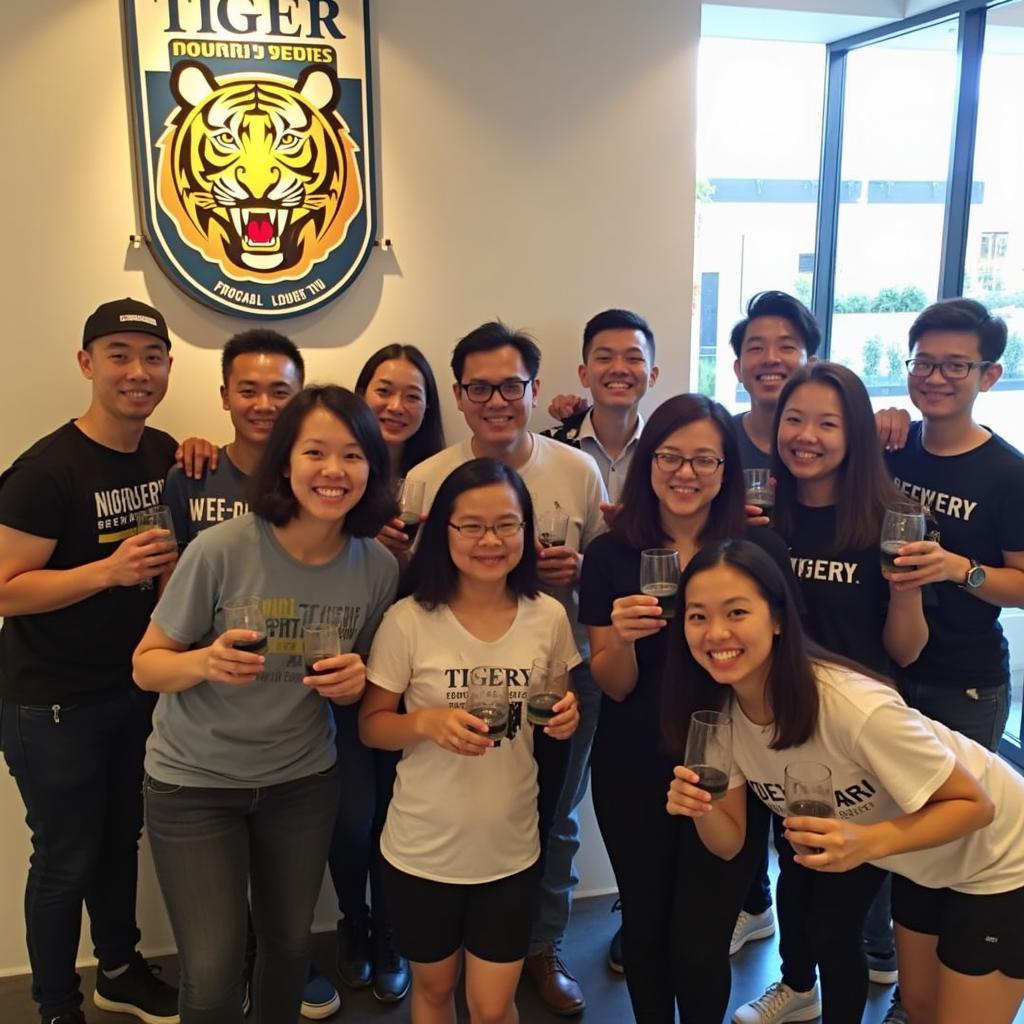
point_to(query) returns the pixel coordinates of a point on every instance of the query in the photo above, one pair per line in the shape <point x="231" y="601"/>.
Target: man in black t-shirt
<point x="972" y="483"/>
<point x="74" y="726"/>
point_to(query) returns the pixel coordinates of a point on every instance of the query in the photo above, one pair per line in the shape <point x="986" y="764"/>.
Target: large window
<point x="759" y="139"/>
<point x="897" y="122"/>
<point x="916" y="194"/>
<point x="994" y="255"/>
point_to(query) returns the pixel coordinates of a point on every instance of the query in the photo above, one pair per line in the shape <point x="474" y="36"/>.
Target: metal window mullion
<point x="829" y="186"/>
<point x="959" y="181"/>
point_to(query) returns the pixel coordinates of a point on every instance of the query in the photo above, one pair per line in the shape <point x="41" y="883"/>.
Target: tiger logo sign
<point x="253" y="138"/>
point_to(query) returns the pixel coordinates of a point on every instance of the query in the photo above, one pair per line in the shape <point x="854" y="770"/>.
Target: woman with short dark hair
<point x="241" y="782"/>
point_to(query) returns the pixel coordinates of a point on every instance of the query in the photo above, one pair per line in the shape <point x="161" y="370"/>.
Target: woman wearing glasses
<point x="684" y="488"/>
<point x="460" y="844"/>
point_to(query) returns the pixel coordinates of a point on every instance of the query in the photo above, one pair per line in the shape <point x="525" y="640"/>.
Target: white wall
<point x="535" y="163"/>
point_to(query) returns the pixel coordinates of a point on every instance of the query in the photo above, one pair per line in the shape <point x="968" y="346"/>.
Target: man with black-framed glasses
<point x="972" y="483"/>
<point x="496" y="385"/>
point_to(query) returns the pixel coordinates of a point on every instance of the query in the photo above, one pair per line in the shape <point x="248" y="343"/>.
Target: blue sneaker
<point x="320" y="998"/>
<point x="882" y="969"/>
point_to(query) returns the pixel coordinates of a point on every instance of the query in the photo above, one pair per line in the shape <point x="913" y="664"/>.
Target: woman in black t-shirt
<point x="831" y="494"/>
<point x="684" y="489"/>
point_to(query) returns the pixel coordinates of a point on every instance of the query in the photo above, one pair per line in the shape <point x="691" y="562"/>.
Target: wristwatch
<point x="975" y="576"/>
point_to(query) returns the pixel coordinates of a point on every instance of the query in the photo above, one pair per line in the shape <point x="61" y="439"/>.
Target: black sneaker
<point x="139" y="992"/>
<point x="71" y="1017"/>
<point x="615" y="946"/>
<point x="353" y="960"/>
<point x="390" y="971"/>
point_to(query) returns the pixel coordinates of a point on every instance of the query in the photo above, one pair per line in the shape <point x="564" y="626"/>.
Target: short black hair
<point x="260" y="339"/>
<point x="617" y="320"/>
<point x="773" y="303"/>
<point x="966" y="316"/>
<point x="491" y="336"/>
<point x="432" y="578"/>
<point x="270" y="491"/>
<point x="429" y="439"/>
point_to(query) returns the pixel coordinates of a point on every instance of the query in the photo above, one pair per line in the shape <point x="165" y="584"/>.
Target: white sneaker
<point x="750" y="927"/>
<point x="779" y="1005"/>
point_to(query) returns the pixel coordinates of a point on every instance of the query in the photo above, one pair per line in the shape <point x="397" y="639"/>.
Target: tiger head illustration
<point x="258" y="173"/>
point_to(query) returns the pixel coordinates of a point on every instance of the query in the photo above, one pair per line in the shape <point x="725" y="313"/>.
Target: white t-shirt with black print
<point x="454" y="818"/>
<point x="887" y="760"/>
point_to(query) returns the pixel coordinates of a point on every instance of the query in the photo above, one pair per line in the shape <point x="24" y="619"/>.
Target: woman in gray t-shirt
<point x="241" y="787"/>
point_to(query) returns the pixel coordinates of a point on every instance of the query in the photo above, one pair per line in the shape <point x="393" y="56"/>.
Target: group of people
<point x="258" y="769"/>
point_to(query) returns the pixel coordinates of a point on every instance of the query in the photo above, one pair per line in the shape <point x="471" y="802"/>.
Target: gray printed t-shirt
<point x="275" y="729"/>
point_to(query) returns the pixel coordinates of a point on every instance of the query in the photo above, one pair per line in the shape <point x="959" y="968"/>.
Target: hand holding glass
<point x="549" y="681"/>
<point x="709" y="751"/>
<point x="247" y="613"/>
<point x="156" y="517"/>
<point x="904" y="523"/>
<point x="319" y="642"/>
<point x="487" y="699"/>
<point x="410" y="506"/>
<point x="659" y="577"/>
<point x="760" y="491"/>
<point x="809" y="794"/>
<point x="552" y="529"/>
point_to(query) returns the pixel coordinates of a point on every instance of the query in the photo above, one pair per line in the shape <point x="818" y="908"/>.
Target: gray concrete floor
<point x="592" y="926"/>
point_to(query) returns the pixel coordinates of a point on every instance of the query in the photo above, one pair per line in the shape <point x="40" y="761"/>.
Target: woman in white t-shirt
<point x="941" y="812"/>
<point x="461" y="844"/>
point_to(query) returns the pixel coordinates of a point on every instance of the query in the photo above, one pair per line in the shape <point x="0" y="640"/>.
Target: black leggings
<point x="821" y="921"/>
<point x="679" y="901"/>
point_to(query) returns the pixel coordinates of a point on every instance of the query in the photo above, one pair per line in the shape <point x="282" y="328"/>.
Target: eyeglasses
<point x="476" y="531"/>
<point x="702" y="465"/>
<point x="954" y="369"/>
<point x="479" y="393"/>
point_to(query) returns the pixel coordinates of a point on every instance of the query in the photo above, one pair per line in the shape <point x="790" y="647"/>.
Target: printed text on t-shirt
<point x="939" y="501"/>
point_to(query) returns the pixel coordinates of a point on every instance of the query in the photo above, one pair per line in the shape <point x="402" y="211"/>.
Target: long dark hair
<point x="792" y="690"/>
<point x="638" y="522"/>
<point x="432" y="577"/>
<point x="863" y="485"/>
<point x="429" y="439"/>
<point x="792" y="684"/>
<point x="269" y="488"/>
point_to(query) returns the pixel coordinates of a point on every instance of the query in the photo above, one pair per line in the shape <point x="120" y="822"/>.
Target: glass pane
<point x="994" y="267"/>
<point x="897" y="126"/>
<point x="758" y="139"/>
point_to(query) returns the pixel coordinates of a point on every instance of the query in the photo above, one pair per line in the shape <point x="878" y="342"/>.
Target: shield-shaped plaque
<point x="253" y="135"/>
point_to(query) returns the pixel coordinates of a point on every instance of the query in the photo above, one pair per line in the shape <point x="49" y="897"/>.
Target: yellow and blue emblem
<point x="253" y="136"/>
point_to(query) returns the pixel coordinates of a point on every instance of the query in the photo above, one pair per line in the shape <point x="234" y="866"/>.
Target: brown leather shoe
<point x="558" y="989"/>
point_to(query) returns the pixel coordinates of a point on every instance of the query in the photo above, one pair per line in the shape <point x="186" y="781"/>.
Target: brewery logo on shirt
<point x="253" y="138"/>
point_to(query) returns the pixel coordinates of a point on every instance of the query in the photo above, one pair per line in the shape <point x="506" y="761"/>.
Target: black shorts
<point x="432" y="920"/>
<point x="977" y="934"/>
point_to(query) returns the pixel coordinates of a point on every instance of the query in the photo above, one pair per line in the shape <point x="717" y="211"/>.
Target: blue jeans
<point x="979" y="713"/>
<point x="79" y="771"/>
<point x="210" y="846"/>
<point x="563" y="841"/>
<point x="366" y="779"/>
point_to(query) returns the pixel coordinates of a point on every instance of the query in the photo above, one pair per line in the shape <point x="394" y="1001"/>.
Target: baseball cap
<point x="125" y="315"/>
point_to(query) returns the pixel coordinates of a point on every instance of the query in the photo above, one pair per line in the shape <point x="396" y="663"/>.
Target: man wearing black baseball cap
<point x="73" y="726"/>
